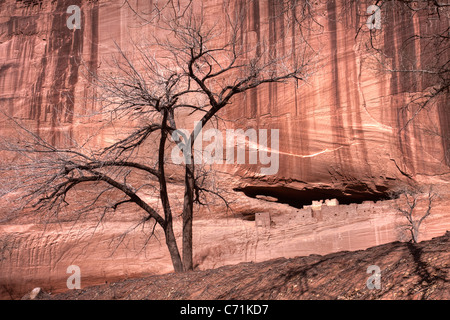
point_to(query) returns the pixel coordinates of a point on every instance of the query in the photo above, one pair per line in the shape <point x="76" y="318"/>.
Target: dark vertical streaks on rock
<point x="444" y="119"/>
<point x="406" y="60"/>
<point x="339" y="138"/>
<point x="93" y="61"/>
<point x="36" y="94"/>
<point x="274" y="13"/>
<point x="242" y="9"/>
<point x="294" y="55"/>
<point x="67" y="46"/>
<point x="52" y="96"/>
<point x="256" y="26"/>
<point x="355" y="122"/>
<point x="408" y="53"/>
<point x="93" y="54"/>
<point x="253" y="102"/>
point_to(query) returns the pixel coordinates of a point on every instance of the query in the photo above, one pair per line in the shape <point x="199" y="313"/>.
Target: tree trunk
<point x="415" y="232"/>
<point x="168" y="228"/>
<point x="173" y="248"/>
<point x="187" y="217"/>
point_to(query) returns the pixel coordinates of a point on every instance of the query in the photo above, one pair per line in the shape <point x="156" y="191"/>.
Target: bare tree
<point x="192" y="66"/>
<point x="407" y="203"/>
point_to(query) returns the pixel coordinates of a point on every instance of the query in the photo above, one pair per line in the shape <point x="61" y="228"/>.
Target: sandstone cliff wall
<point x="339" y="127"/>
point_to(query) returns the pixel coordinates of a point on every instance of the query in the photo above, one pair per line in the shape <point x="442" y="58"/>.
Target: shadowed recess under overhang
<point x="299" y="198"/>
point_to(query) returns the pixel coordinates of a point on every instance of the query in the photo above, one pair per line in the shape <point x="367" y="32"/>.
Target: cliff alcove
<point x="299" y="198"/>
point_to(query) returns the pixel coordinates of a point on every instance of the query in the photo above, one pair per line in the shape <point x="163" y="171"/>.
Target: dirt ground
<point x="408" y="271"/>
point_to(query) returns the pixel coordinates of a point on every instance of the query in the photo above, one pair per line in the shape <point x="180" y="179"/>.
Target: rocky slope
<point x="35" y="254"/>
<point x="408" y="271"/>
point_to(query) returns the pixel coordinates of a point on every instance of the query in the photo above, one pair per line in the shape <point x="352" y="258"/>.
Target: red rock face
<point x="339" y="132"/>
<point x="342" y="125"/>
<point x="345" y="124"/>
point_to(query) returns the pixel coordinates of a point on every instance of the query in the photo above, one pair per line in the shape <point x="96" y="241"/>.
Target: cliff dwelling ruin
<point x="314" y="196"/>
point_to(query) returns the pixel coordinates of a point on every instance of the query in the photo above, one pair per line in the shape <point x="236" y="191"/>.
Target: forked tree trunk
<point x="171" y="241"/>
